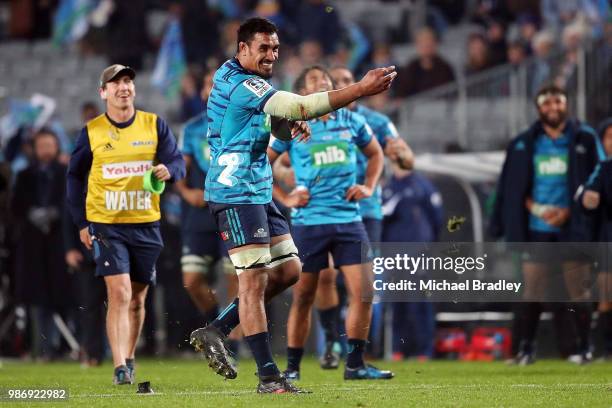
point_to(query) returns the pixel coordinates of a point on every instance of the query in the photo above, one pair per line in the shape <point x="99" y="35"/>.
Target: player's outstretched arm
<point x="373" y="82"/>
<point x="298" y="107"/>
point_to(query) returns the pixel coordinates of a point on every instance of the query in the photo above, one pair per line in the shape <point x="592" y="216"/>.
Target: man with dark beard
<point x="544" y="167"/>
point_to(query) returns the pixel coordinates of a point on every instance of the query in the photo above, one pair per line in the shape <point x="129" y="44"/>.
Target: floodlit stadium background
<point x="457" y="121"/>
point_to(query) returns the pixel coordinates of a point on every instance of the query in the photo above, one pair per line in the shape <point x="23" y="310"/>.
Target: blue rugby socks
<point x="329" y="323"/>
<point x="211" y="314"/>
<point x="354" y="358"/>
<point x="294" y="358"/>
<point x="260" y="348"/>
<point x="228" y="319"/>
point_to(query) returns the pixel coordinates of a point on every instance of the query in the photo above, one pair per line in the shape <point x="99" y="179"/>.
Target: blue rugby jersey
<point x="327" y="166"/>
<point x="383" y="128"/>
<point x="238" y="135"/>
<point x="193" y="142"/>
<point x="550" y="164"/>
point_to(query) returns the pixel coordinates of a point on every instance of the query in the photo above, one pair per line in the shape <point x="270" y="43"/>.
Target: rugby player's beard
<point x="554" y="123"/>
<point x="266" y="74"/>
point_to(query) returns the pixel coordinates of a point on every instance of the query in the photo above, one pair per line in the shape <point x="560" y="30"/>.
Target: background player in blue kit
<point x="328" y="221"/>
<point x="239" y="189"/>
<point x="396" y="149"/>
<point x="201" y="246"/>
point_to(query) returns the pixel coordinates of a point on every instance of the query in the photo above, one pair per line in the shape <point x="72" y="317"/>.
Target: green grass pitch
<point x="187" y="383"/>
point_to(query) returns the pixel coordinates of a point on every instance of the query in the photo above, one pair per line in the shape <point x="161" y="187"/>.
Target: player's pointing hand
<point x="377" y="80"/>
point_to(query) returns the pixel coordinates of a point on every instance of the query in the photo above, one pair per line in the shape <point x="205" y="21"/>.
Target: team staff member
<point x="543" y="169"/>
<point x="115" y="216"/>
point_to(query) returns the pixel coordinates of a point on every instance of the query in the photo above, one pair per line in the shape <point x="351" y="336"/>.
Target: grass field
<point x="183" y="383"/>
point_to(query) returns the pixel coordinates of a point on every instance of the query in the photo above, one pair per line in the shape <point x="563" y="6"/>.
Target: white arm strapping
<point x="291" y="106"/>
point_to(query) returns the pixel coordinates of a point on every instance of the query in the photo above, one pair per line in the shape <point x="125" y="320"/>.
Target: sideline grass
<point x="187" y="383"/>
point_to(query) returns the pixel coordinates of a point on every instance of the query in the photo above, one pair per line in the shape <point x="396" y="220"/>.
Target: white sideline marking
<point x="370" y="388"/>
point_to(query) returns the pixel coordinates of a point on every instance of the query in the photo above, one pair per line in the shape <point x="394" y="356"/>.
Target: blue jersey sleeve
<point x="279" y="146"/>
<point x="168" y="152"/>
<point x="362" y="131"/>
<point x="594" y="182"/>
<point x="252" y="93"/>
<point x="76" y="178"/>
<point x="186" y="141"/>
<point x="384" y="129"/>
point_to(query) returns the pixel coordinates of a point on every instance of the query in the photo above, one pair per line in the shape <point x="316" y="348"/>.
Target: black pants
<point x="91" y="312"/>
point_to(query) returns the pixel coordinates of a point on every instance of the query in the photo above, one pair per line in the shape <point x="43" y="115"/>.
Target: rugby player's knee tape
<point x="251" y="258"/>
<point x="282" y="252"/>
<point x="227" y="266"/>
<point x="197" y="264"/>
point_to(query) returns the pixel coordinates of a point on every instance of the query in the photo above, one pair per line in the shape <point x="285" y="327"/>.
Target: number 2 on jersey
<point x="231" y="161"/>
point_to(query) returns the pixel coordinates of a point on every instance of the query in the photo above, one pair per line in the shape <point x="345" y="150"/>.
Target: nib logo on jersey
<point x="126" y="169"/>
<point x="329" y="154"/>
<point x="551" y="165"/>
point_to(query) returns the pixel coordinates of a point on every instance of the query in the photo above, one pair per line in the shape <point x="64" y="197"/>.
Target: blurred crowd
<point x="47" y="277"/>
<point x="315" y="31"/>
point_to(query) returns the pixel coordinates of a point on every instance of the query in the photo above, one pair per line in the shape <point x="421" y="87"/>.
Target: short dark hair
<point x="300" y="81"/>
<point x="89" y="105"/>
<point x="252" y="26"/>
<point x="341" y="66"/>
<point x="549" y="89"/>
<point x="43" y="132"/>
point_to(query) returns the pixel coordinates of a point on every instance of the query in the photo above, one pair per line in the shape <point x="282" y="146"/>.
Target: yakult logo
<point x="127" y="169"/>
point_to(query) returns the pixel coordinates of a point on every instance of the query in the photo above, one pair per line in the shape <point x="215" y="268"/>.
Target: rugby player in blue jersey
<point x="239" y="189"/>
<point x="396" y="149"/>
<point x="328" y="221"/>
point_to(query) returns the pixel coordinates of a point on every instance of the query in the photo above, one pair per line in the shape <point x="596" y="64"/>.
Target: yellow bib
<point x="121" y="156"/>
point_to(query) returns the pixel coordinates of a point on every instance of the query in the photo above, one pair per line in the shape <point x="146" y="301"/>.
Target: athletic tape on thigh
<point x="196" y="264"/>
<point x="282" y="252"/>
<point x="251" y="258"/>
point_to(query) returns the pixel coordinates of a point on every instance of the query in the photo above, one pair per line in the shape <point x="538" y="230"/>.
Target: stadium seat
<point x="27" y="68"/>
<point x="44" y="49"/>
<point x="14" y="49"/>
